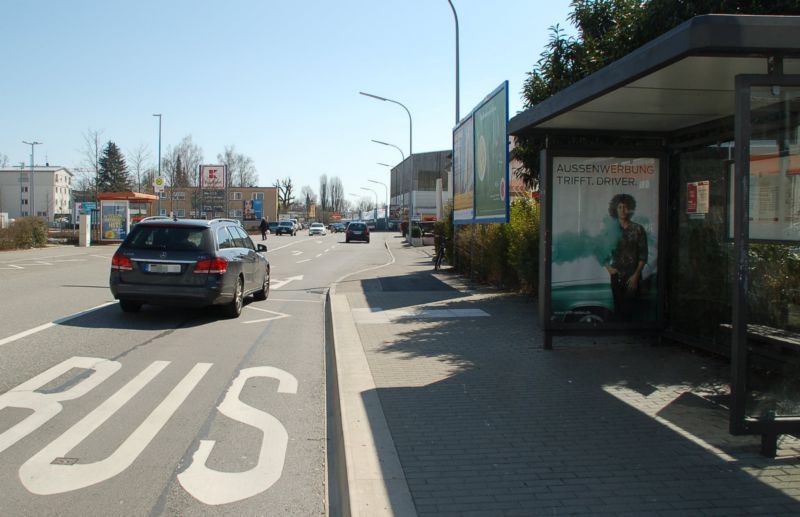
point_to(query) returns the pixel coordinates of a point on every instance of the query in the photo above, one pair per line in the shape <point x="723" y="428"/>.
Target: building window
<point x="236" y="196"/>
<point x="257" y="195"/>
<point x="24" y="189"/>
<point x="236" y="214"/>
<point x="162" y="195"/>
<point x="181" y="212"/>
<point x="179" y="195"/>
<point x="24" y="201"/>
<point x="163" y="211"/>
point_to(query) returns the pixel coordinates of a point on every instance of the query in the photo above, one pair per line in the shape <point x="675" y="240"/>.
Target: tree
<point x="3" y="160"/>
<point x="285" y="188"/>
<point x="336" y="194"/>
<point x="90" y="162"/>
<point x="181" y="164"/>
<point x="309" y="198"/>
<point x="323" y="196"/>
<point x="138" y="159"/>
<point x="113" y="174"/>
<point x="240" y="169"/>
<point x="607" y="31"/>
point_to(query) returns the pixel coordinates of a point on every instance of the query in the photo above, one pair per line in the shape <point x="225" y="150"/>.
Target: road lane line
<point x="301" y="261"/>
<point x="26" y="333"/>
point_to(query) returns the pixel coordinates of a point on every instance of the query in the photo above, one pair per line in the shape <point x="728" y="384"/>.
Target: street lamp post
<point x="455" y="17"/>
<point x="410" y="124"/>
<point x="31" y="179"/>
<point x="376" y="203"/>
<point x="405" y="204"/>
<point x="159" y="157"/>
<point x="386" y="207"/>
<point x="358" y="206"/>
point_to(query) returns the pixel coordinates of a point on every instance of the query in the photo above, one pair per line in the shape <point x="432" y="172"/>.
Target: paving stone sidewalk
<point x="486" y="422"/>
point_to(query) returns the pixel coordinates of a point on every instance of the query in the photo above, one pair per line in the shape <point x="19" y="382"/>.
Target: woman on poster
<point x="627" y="258"/>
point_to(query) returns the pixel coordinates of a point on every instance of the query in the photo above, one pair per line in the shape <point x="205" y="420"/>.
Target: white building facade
<point x="51" y="193"/>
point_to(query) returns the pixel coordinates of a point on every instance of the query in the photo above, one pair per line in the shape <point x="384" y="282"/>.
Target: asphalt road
<point x="166" y="411"/>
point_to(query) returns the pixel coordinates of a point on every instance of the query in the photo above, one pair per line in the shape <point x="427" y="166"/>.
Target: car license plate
<point x="356" y="233"/>
<point x="162" y="268"/>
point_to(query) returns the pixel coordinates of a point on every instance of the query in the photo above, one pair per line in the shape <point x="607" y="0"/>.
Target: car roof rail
<point x="154" y="218"/>
<point x="227" y="220"/>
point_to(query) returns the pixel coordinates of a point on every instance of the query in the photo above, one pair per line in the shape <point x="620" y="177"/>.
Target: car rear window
<point x="356" y="226"/>
<point x="178" y="238"/>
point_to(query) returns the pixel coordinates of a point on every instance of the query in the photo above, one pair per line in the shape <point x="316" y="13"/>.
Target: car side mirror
<point x="261" y="247"/>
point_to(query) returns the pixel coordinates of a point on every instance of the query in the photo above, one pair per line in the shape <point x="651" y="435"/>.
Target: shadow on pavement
<point x="485" y="421"/>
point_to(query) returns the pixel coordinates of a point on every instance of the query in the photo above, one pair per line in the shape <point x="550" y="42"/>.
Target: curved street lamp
<point x="455" y="16"/>
<point x="386" y="207"/>
<point x="31" y="180"/>
<point x="410" y="123"/>
<point x="376" y="202"/>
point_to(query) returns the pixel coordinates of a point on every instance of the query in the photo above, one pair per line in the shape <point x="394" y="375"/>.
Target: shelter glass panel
<point x="773" y="252"/>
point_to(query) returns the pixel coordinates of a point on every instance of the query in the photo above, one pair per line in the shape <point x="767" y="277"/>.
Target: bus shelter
<point x="119" y="210"/>
<point x="670" y="190"/>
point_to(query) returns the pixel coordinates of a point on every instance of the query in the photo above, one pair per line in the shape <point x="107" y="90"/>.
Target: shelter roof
<point x="683" y="78"/>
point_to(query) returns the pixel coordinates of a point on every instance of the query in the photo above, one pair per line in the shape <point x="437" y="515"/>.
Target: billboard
<point x="604" y="248"/>
<point x="480" y="162"/>
<point x="212" y="177"/>
<point x="113" y="220"/>
<point x="253" y="210"/>
<point x="463" y="173"/>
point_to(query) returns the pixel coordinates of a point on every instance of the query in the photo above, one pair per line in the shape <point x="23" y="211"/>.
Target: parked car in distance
<point x="272" y="226"/>
<point x="285" y="227"/>
<point x="356" y="231"/>
<point x="337" y="227"/>
<point x="317" y="229"/>
<point x="189" y="262"/>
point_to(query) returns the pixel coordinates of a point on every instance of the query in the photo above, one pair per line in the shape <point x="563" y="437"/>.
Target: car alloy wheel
<point x="234" y="308"/>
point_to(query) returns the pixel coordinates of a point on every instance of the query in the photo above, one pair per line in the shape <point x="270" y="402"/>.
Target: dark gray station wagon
<point x="189" y="262"/>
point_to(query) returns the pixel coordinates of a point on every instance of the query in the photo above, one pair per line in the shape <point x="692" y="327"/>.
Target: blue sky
<point x="278" y="80"/>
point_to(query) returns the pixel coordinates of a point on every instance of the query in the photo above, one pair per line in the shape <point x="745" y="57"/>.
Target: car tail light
<point x="216" y="265"/>
<point x="121" y="262"/>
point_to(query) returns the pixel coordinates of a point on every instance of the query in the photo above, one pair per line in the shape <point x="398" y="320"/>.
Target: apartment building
<point x="48" y="195"/>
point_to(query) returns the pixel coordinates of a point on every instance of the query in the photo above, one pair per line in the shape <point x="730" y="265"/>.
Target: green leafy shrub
<point x="506" y="255"/>
<point x="24" y="233"/>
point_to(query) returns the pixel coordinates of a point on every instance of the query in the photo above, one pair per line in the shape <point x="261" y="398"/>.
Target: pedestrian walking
<point x="263" y="226"/>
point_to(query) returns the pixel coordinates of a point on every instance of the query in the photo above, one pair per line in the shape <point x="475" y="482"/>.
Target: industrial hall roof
<point x="681" y="79"/>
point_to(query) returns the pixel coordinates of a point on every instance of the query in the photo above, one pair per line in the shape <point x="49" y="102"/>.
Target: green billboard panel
<point x="491" y="157"/>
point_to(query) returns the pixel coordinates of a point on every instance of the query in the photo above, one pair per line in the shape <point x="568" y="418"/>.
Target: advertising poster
<point x="114" y="220"/>
<point x="253" y="210"/>
<point x="491" y="158"/>
<point x="604" y="250"/>
<point x="463" y="172"/>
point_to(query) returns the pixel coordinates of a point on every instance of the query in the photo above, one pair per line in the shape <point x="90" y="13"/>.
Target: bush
<point x="506" y="255"/>
<point x="24" y="233"/>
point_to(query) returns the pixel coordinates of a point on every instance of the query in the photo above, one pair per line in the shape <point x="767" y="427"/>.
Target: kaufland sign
<point x="212" y="177"/>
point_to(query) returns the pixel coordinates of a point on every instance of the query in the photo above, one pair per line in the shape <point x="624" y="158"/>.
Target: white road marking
<point x="46" y="326"/>
<point x="47" y="405"/>
<point x="277" y="284"/>
<point x="12" y="266"/>
<point x="42" y="477"/>
<point x="213" y="487"/>
<point x="370" y="316"/>
<point x="278" y="315"/>
<point x="297" y="252"/>
<point x="301" y="261"/>
<point x="100" y="256"/>
<point x="318" y="256"/>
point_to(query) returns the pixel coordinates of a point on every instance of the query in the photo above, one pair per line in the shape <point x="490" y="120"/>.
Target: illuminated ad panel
<point x="604" y="250"/>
